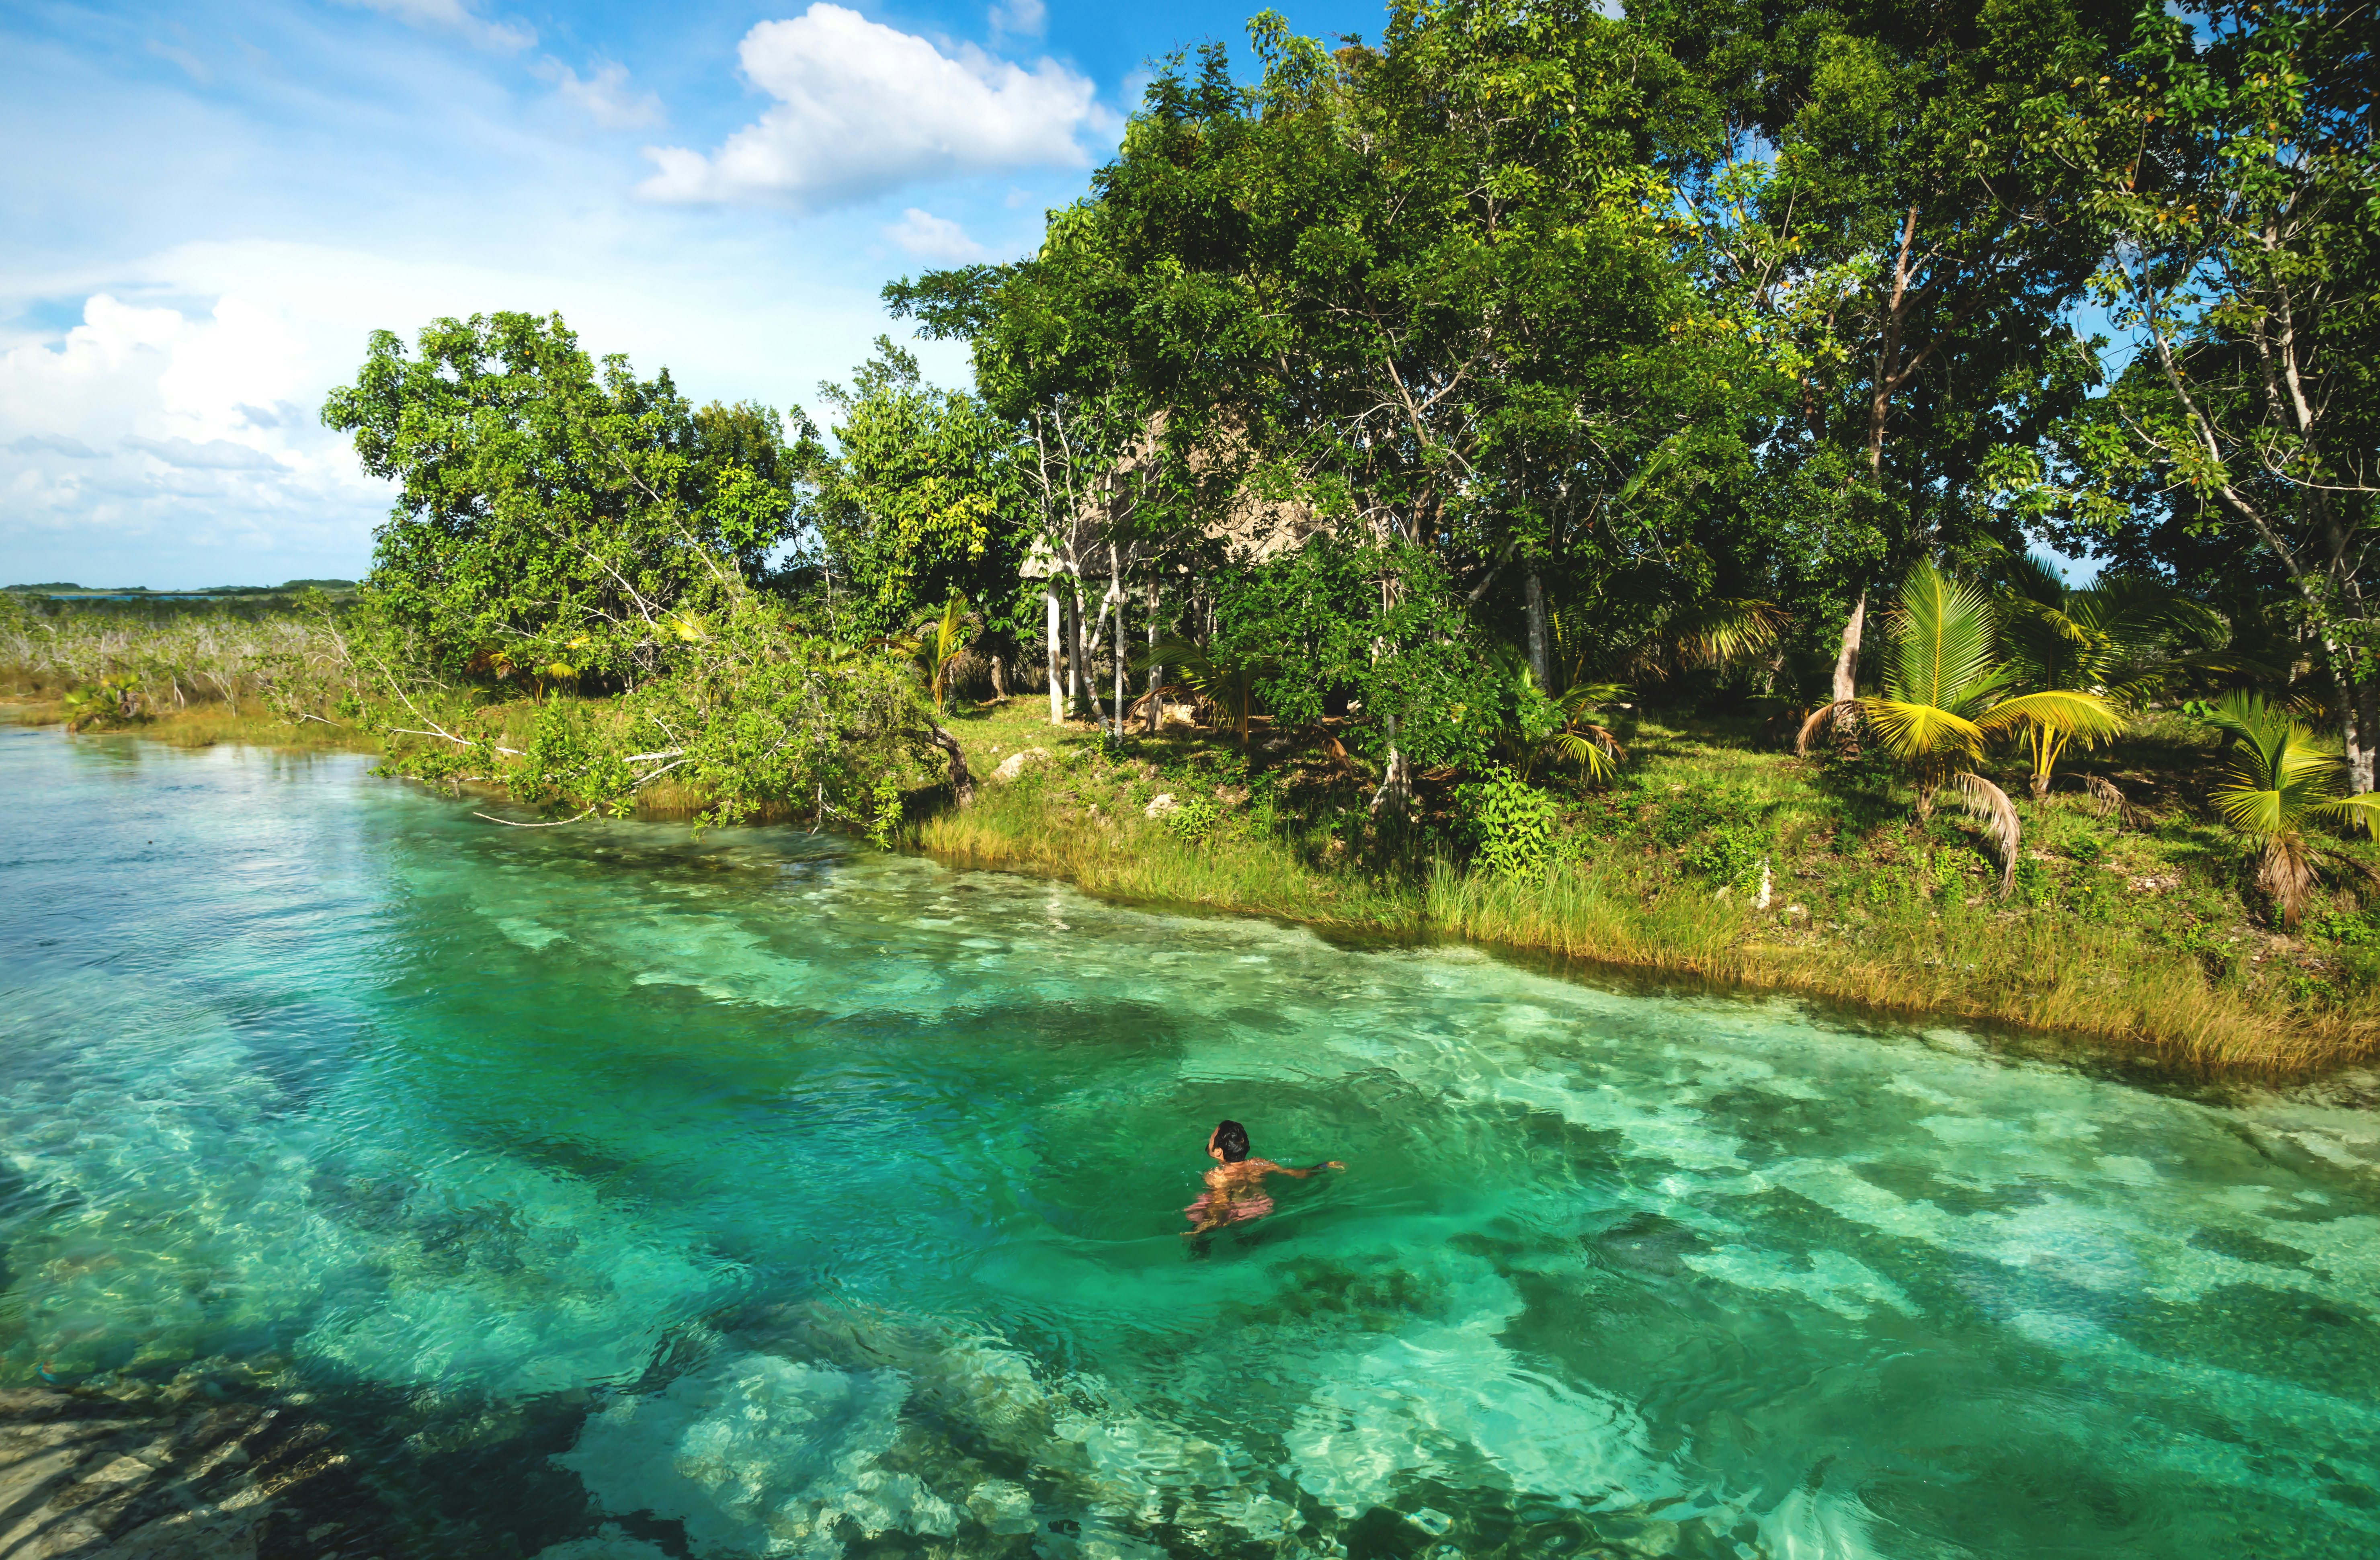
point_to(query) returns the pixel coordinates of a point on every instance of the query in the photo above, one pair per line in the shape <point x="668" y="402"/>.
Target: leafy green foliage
<point x="921" y="502"/>
<point x="550" y="512"/>
<point x="1194" y="820"/>
<point x="1507" y="823"/>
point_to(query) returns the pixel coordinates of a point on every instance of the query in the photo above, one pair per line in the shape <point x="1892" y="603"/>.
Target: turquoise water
<point x="622" y="1196"/>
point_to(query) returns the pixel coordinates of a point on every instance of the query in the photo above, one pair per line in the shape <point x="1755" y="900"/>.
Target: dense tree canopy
<point x="550" y="513"/>
<point x="1435" y="391"/>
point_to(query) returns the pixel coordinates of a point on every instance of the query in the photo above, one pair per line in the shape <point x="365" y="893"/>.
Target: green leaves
<point x="547" y="510"/>
<point x="922" y="499"/>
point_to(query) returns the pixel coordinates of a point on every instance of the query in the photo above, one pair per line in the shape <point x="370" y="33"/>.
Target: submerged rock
<point x="761" y="1456"/>
<point x="100" y="1477"/>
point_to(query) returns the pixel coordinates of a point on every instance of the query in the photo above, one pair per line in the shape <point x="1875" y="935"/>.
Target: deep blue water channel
<point x="623" y="1195"/>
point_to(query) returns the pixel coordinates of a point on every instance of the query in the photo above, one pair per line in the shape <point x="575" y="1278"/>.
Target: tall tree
<point x="1881" y="214"/>
<point x="2232" y="163"/>
<point x="551" y="514"/>
<point x="920" y="500"/>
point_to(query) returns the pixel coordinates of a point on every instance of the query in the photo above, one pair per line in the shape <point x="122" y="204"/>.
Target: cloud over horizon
<point x="863" y="109"/>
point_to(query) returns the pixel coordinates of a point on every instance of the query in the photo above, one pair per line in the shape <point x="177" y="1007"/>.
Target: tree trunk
<point x="1156" y="673"/>
<point x="1074" y="646"/>
<point x="961" y="783"/>
<point x="1847" y="661"/>
<point x="1395" y="795"/>
<point x="1054" y="617"/>
<point x="1115" y="589"/>
<point x="1847" y="722"/>
<point x="2361" y="729"/>
<point x="1535" y="592"/>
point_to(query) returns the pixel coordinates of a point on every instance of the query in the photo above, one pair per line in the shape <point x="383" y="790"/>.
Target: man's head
<point x="1228" y="1143"/>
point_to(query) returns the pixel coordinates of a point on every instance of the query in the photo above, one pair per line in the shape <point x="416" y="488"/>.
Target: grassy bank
<point x="206" y="723"/>
<point x="2141" y="931"/>
<point x="2144" y="931"/>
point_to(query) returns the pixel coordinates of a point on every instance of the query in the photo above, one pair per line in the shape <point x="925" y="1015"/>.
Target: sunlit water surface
<point x="623" y="1195"/>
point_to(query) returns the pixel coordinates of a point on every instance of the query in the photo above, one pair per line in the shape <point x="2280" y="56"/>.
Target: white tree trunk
<point x="1395" y="794"/>
<point x="1847" y="661"/>
<point x="1056" y="617"/>
<point x="1156" y="673"/>
<point x="1074" y="646"/>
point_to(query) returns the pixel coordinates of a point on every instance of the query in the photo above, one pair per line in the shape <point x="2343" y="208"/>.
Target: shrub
<point x="1730" y="855"/>
<point x="1194" y="820"/>
<point x="1507" y="823"/>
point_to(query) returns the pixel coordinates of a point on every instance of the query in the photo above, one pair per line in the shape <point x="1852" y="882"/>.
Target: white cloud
<point x="604" y="96"/>
<point x="192" y="66"/>
<point x="453" y="16"/>
<point x="53" y="444"/>
<point x="139" y="432"/>
<point x="863" y="109"/>
<point x="1019" y="18"/>
<point x="215" y="455"/>
<point x="933" y="238"/>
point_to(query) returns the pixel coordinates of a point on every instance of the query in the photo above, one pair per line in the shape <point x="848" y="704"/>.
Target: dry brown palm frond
<point x="2107" y="800"/>
<point x="2370" y="874"/>
<point x="1991" y="804"/>
<point x="2286" y="875"/>
<point x="1820" y="718"/>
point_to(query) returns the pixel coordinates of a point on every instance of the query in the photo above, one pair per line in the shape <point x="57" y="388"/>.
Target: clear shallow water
<point x="623" y="1196"/>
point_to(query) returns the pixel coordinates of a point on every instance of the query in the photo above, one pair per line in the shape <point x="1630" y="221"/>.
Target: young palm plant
<point x="1948" y="696"/>
<point x="942" y="640"/>
<point x="2282" y="779"/>
<point x="1226" y="681"/>
<point x="2123" y="639"/>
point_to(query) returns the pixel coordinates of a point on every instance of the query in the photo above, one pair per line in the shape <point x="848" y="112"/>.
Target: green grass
<point x="204" y="724"/>
<point x="2136" y="933"/>
<point x="2141" y="932"/>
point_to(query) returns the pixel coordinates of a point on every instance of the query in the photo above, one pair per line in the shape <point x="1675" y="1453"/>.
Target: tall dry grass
<point x="175" y="659"/>
<point x="2053" y="975"/>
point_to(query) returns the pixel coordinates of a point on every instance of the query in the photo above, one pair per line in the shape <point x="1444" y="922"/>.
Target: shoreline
<point x="2132" y="1007"/>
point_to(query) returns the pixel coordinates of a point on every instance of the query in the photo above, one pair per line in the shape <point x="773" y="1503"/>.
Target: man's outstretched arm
<point x="1270" y="1168"/>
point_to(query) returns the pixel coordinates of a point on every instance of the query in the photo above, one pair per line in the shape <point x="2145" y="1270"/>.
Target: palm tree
<point x="2282" y="778"/>
<point x="1947" y="698"/>
<point x="942" y="640"/>
<point x="1720" y="631"/>
<point x="2125" y="639"/>
<point x="1225" y="680"/>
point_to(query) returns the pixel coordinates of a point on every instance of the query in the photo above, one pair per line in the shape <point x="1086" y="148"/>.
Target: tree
<point x="920" y="501"/>
<point x="2230" y="163"/>
<point x="1947" y="698"/>
<point x="2282" y="780"/>
<point x="1881" y="218"/>
<point x="2126" y="638"/>
<point x="551" y="516"/>
<point x="1418" y="297"/>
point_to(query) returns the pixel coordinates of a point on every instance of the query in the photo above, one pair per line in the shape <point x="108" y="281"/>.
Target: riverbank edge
<point x="2148" y="1008"/>
<point x="2130" y="1004"/>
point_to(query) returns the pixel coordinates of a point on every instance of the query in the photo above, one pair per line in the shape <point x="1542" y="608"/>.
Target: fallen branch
<point x="554" y="823"/>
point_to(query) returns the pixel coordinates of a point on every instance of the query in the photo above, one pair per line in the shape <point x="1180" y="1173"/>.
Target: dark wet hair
<point x="1233" y="1138"/>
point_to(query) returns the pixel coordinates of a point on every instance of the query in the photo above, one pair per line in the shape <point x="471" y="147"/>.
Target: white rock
<point x="761" y="1456"/>
<point x="1159" y="805"/>
<point x="1013" y="764"/>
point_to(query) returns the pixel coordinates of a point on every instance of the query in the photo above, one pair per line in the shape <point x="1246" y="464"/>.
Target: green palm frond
<point x="1942" y="642"/>
<point x="2064" y="710"/>
<point x="1916" y="732"/>
<point x="2358" y="811"/>
<point x="1725" y="630"/>
<point x="2136" y="614"/>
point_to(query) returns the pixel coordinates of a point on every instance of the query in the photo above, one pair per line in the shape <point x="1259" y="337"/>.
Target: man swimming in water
<point x="1235" y="1191"/>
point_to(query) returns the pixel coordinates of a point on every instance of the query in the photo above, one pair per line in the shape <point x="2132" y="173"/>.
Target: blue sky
<point x="209" y="208"/>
